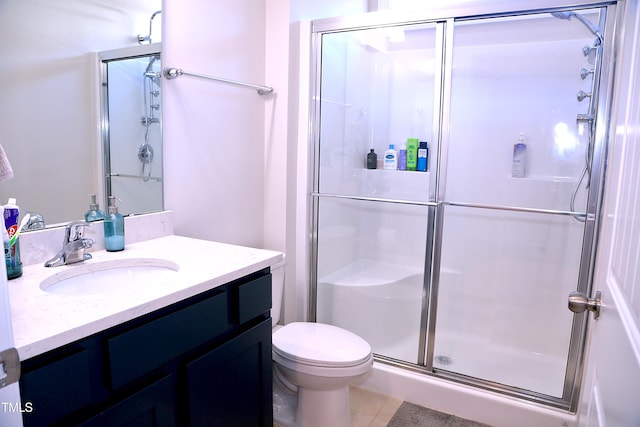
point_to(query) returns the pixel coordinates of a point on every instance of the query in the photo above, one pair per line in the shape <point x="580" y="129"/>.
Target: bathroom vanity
<point x="192" y="350"/>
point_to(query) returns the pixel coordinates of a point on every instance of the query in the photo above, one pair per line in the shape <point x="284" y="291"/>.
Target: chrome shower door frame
<point x="445" y="16"/>
<point x="104" y="58"/>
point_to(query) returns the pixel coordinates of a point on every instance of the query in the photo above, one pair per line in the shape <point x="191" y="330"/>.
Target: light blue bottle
<point x="113" y="228"/>
<point x="94" y="213"/>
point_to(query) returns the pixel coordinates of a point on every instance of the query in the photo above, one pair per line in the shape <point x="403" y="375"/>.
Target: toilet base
<point x="322" y="408"/>
<point x="285" y="402"/>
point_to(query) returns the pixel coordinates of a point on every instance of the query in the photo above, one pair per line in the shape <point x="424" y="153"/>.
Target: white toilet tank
<point x="277" y="289"/>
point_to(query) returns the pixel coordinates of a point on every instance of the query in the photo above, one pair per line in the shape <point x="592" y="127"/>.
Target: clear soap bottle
<point x="94" y="213"/>
<point x="113" y="227"/>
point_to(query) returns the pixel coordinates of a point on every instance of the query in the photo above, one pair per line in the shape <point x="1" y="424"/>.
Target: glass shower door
<point x="132" y="131"/>
<point x="512" y="242"/>
<point x="378" y="87"/>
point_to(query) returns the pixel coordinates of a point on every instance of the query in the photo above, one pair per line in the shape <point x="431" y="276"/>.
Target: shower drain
<point x="441" y="359"/>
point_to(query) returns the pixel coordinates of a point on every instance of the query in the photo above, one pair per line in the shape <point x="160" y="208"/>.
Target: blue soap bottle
<point x="94" y="213"/>
<point x="113" y="227"/>
<point x="423" y="154"/>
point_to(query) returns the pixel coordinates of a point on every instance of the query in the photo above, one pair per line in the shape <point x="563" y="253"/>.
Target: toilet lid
<point x="320" y="344"/>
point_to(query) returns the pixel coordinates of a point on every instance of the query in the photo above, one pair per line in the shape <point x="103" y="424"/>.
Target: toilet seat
<point x="320" y="345"/>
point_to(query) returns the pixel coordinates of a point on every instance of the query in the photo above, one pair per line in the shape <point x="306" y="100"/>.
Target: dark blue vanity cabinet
<point x="205" y="361"/>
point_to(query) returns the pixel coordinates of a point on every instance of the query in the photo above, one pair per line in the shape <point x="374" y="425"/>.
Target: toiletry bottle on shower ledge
<point x="519" y="157"/>
<point x="402" y="157"/>
<point x="372" y="160"/>
<point x="113" y="227"/>
<point x="94" y="213"/>
<point x="390" y="158"/>
<point x="412" y="153"/>
<point x="423" y="154"/>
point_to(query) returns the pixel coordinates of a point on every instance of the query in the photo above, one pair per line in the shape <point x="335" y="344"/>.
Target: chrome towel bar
<point x="172" y="73"/>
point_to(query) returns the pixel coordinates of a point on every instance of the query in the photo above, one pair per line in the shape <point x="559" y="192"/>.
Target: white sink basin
<point x="114" y="276"/>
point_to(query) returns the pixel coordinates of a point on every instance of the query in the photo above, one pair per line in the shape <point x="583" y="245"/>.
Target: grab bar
<point x="172" y="73"/>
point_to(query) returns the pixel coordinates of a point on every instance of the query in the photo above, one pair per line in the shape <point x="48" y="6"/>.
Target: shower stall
<point x="462" y="271"/>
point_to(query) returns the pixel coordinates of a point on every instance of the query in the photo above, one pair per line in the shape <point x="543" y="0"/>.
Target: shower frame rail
<point x="172" y="73"/>
<point x="457" y="204"/>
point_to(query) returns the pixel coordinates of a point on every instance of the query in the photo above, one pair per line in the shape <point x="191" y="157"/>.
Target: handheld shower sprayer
<point x="594" y="30"/>
<point x="151" y="90"/>
<point x="592" y="53"/>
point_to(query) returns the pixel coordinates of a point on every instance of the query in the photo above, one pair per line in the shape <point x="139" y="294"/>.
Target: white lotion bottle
<point x="390" y="158"/>
<point x="519" y="157"/>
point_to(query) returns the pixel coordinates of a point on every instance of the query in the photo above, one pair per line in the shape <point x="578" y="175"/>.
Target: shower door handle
<point x="579" y="302"/>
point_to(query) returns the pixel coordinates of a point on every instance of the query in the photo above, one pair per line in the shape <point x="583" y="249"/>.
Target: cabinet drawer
<point x="149" y="346"/>
<point x="251" y="299"/>
<point x="57" y="389"/>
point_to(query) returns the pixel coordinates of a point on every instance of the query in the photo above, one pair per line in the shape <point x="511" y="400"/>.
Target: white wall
<point x="308" y="10"/>
<point x="230" y="158"/>
<point x="276" y="145"/>
<point x="214" y="133"/>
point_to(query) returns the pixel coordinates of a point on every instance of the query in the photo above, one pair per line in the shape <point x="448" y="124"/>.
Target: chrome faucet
<point x="35" y="221"/>
<point x="73" y="245"/>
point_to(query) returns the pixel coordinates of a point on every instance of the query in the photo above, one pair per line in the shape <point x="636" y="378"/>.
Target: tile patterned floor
<point x="369" y="409"/>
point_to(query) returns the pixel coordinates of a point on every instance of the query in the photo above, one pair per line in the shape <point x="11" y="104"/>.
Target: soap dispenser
<point x="113" y="227"/>
<point x="94" y="213"/>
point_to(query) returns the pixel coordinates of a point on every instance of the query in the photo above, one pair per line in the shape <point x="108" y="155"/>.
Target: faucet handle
<point x="74" y="230"/>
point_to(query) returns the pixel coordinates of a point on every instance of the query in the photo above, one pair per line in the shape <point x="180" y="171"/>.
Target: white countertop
<point x="43" y="321"/>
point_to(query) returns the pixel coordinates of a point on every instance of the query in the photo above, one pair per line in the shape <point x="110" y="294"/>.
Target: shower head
<point x="568" y="15"/>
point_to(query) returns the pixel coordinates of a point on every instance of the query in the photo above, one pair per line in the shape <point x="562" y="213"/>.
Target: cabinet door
<point x="153" y="406"/>
<point x="231" y="385"/>
<point x="58" y="388"/>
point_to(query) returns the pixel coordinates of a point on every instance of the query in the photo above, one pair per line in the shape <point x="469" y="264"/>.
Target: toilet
<point x="313" y="365"/>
